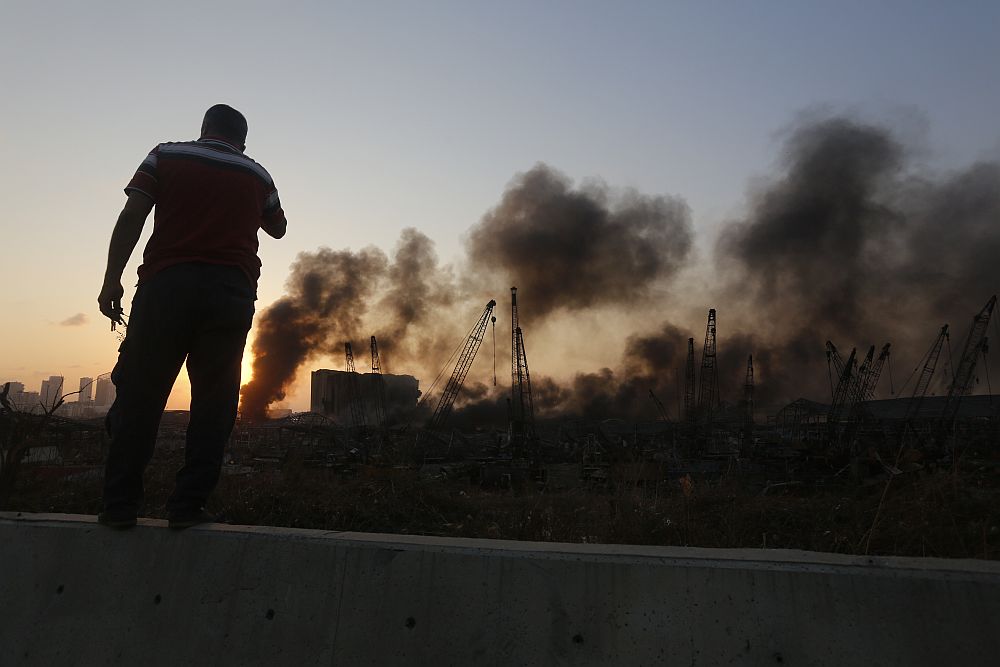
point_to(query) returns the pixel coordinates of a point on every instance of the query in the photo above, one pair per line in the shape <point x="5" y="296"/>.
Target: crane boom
<point x="465" y="359"/>
<point x="659" y="407"/>
<point x="871" y="380"/>
<point x="833" y="358"/>
<point x="840" y="393"/>
<point x="689" y="383"/>
<point x="357" y="408"/>
<point x="926" y="374"/>
<point x="522" y="407"/>
<point x="961" y="385"/>
<point x="708" y="391"/>
<point x="380" y="414"/>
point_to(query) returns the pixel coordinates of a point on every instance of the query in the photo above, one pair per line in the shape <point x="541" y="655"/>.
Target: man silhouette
<point x="194" y="301"/>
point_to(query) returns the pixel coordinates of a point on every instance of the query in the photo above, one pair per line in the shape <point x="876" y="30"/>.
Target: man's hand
<point x="123" y="240"/>
<point x="110" y="301"/>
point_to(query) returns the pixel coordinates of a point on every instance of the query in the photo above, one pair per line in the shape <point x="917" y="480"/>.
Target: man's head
<point x="226" y="122"/>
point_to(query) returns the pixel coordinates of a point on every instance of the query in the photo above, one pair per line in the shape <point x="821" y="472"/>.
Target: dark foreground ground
<point x="952" y="513"/>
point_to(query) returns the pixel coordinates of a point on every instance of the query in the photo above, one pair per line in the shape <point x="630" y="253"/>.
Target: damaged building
<point x="331" y="396"/>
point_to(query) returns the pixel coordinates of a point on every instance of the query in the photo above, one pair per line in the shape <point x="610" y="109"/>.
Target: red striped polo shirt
<point x="210" y="201"/>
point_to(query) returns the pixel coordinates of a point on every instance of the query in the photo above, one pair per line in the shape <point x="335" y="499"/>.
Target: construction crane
<point x="379" y="381"/>
<point x="354" y="386"/>
<point x="961" y="384"/>
<point x="835" y="362"/>
<point x="522" y="409"/>
<point x="689" y="383"/>
<point x="930" y="361"/>
<point x="748" y="416"/>
<point x="708" y="394"/>
<point x="857" y="386"/>
<point x="659" y="407"/>
<point x="874" y="373"/>
<point x="465" y="359"/>
<point x="841" y="392"/>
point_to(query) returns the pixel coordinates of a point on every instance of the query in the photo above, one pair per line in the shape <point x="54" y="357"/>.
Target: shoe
<point x="180" y="521"/>
<point x="116" y="521"/>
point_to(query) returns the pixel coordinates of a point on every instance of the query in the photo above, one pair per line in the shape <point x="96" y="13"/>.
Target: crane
<point x="874" y="373"/>
<point x="840" y="393"/>
<point x="961" y="384"/>
<point x="748" y="416"/>
<point x="354" y="397"/>
<point x="380" y="414"/>
<point x="465" y="359"/>
<point x="522" y="416"/>
<point x="659" y="407"/>
<point x="834" y="361"/>
<point x="930" y="360"/>
<point x="689" y="383"/>
<point x="864" y="389"/>
<point x="708" y="394"/>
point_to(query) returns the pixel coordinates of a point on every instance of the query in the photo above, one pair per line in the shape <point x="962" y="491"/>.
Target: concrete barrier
<point x="73" y="592"/>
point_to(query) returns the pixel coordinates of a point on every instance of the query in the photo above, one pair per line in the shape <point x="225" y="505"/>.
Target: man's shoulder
<point x="214" y="151"/>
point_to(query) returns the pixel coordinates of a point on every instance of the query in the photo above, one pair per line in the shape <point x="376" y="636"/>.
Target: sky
<point x="374" y="117"/>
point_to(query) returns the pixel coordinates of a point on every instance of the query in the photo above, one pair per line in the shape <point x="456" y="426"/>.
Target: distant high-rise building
<point x="15" y="387"/>
<point x="52" y="390"/>
<point x="15" y="392"/>
<point x="86" y="390"/>
<point x="105" y="395"/>
<point x="29" y="401"/>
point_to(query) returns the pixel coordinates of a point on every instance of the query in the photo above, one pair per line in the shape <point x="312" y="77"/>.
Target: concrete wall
<point x="73" y="592"/>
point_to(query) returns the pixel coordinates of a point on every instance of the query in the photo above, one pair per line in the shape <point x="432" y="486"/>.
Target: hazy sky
<point x="377" y="116"/>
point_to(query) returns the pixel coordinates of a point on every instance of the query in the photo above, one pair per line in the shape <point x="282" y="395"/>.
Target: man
<point x="194" y="301"/>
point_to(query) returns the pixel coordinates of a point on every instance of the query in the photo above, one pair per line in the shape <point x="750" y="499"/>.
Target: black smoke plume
<point x="852" y="243"/>
<point x="579" y="248"/>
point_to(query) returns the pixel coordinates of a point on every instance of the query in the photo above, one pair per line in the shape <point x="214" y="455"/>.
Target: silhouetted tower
<point x="961" y="384"/>
<point x="379" y="389"/>
<point x="354" y="385"/>
<point x="465" y="359"/>
<point x="522" y="421"/>
<point x="689" y="383"/>
<point x="748" y="414"/>
<point x="708" y="395"/>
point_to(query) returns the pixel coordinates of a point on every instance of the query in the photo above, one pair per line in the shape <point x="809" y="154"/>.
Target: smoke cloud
<point x="579" y="248"/>
<point x="851" y="243"/>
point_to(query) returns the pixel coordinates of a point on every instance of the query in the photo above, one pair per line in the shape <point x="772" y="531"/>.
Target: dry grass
<point x="953" y="513"/>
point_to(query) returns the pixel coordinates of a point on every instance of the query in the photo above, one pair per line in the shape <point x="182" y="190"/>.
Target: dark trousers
<point x="201" y="312"/>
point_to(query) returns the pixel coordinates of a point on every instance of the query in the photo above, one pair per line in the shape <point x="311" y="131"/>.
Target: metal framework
<point x="457" y="379"/>
<point x="689" y="383"/>
<point x="748" y="415"/>
<point x="748" y="389"/>
<point x="659" y="407"/>
<point x="522" y="411"/>
<point x="357" y="407"/>
<point x="961" y="385"/>
<point x="708" y="394"/>
<point x="379" y="381"/>
<point x="874" y="373"/>
<point x="842" y="390"/>
<point x="926" y="374"/>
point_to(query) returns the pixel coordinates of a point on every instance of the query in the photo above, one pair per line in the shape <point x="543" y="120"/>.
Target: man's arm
<point x="123" y="240"/>
<point x="276" y="226"/>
